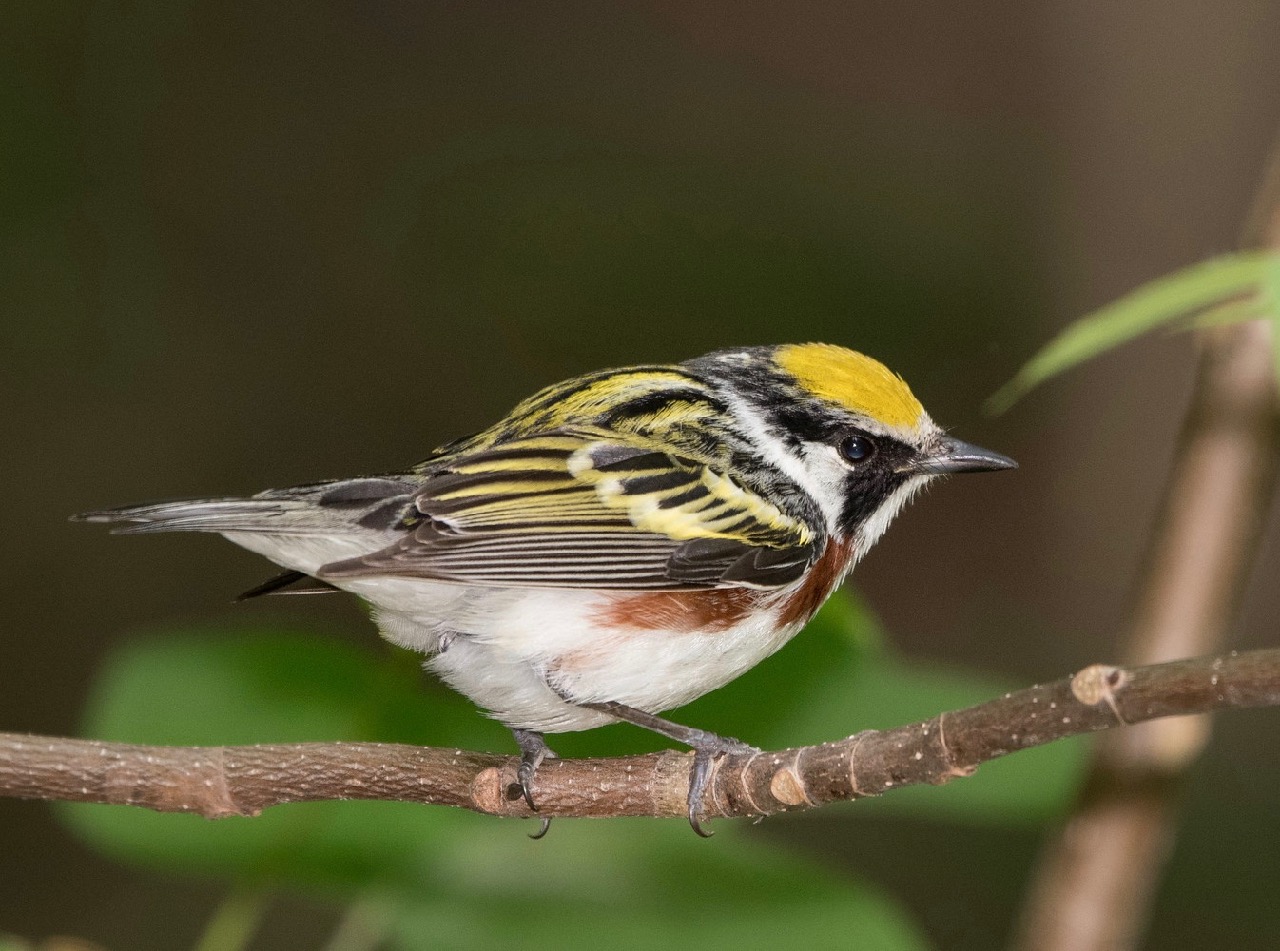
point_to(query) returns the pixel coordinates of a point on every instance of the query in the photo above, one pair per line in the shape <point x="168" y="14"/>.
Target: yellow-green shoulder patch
<point x="851" y="380"/>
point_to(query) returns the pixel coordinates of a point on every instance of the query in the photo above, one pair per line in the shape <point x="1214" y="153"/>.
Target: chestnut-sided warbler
<point x="618" y="545"/>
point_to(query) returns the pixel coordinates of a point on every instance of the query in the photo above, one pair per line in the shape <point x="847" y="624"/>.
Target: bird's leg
<point x="707" y="748"/>
<point x="533" y="750"/>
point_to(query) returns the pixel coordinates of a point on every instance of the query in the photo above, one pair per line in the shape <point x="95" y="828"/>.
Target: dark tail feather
<point x="280" y="515"/>
<point x="320" y="509"/>
<point x="294" y="581"/>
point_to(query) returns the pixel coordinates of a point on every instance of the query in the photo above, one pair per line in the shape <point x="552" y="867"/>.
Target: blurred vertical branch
<point x="1096" y="879"/>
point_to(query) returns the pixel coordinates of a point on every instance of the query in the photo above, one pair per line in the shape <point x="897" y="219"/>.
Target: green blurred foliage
<point x="627" y="883"/>
<point x="1229" y="289"/>
<point x="476" y="880"/>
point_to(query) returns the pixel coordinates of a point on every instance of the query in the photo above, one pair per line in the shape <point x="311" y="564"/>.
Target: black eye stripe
<point x="803" y="424"/>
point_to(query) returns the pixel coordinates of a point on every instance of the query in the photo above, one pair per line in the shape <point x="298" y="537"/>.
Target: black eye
<point x="857" y="448"/>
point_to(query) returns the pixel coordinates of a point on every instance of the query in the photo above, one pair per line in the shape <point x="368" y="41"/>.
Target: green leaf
<point x="259" y="687"/>
<point x="1270" y="302"/>
<point x="1234" y="311"/>
<point x="639" y="884"/>
<point x="335" y="847"/>
<point x="1161" y="301"/>
<point x="220" y="687"/>
<point x="1027" y="787"/>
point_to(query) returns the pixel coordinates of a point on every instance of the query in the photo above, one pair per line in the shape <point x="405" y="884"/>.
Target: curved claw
<point x="533" y="750"/>
<point x="703" y="757"/>
<point x="524" y="780"/>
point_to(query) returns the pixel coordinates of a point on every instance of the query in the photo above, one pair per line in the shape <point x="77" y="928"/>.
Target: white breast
<point x="518" y="653"/>
<point x="506" y="649"/>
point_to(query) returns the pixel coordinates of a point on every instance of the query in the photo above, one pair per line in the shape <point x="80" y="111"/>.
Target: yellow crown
<point x="853" y="381"/>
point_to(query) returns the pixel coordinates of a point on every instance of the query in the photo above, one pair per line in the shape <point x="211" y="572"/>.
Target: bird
<point x="618" y="545"/>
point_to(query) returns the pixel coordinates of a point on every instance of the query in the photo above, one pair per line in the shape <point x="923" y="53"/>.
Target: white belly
<point x="520" y="653"/>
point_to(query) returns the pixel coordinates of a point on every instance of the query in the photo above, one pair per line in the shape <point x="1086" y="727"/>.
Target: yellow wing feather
<point x="586" y="483"/>
<point x="716" y="506"/>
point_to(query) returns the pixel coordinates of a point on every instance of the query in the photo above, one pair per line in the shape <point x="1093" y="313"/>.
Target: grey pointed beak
<point x="955" y="455"/>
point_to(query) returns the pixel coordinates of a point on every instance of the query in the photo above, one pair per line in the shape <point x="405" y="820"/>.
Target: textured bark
<point x="243" y="780"/>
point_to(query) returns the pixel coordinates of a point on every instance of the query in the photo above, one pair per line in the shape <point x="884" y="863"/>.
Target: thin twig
<point x="243" y="780"/>
<point x="1092" y="890"/>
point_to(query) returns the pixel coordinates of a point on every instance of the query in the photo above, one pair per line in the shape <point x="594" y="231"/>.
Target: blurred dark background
<point x="248" y="245"/>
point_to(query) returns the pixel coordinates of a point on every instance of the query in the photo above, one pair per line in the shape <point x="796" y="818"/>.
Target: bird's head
<point x="843" y="427"/>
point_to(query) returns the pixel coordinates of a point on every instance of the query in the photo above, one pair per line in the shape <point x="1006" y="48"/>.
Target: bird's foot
<point x="533" y="750"/>
<point x="708" y="748"/>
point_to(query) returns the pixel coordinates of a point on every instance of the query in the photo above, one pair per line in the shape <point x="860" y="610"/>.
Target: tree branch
<point x="243" y="780"/>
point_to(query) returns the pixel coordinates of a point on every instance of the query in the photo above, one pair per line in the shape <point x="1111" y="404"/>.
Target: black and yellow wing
<point x="590" y="510"/>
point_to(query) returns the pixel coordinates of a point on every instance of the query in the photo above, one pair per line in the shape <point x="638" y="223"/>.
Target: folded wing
<point x="586" y="510"/>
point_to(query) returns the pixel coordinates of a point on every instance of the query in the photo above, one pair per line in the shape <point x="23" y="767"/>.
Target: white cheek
<point x="819" y="481"/>
<point x="827" y="472"/>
